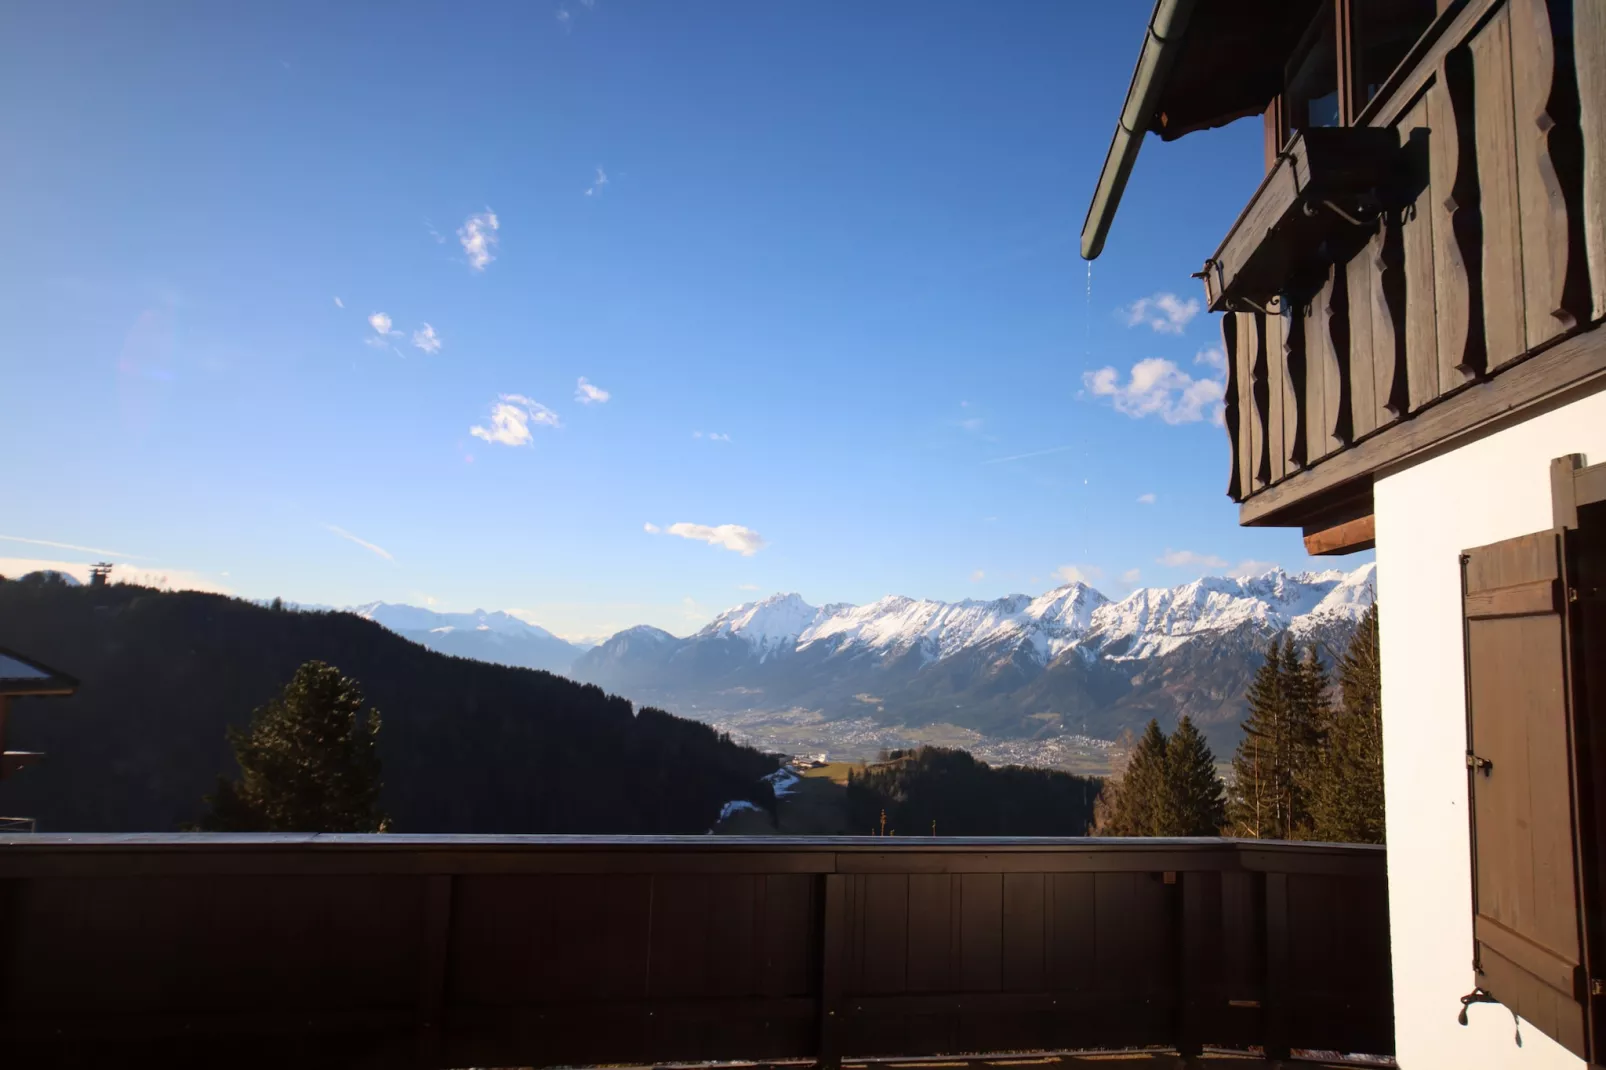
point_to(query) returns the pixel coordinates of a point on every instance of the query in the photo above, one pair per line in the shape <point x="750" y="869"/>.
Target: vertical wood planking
<point x="1495" y="134"/>
<point x="1073" y="936"/>
<point x="1278" y="982"/>
<point x="1232" y="414"/>
<point x="833" y="946"/>
<point x="1024" y="944"/>
<point x="1244" y="357"/>
<point x="1254" y="326"/>
<point x="1457" y="227"/>
<point x="1387" y="249"/>
<point x="930" y="933"/>
<point x="1589" y="51"/>
<point x="1362" y="385"/>
<point x="1294" y="389"/>
<point x="981" y="932"/>
<point x="1276" y="398"/>
<point x="1321" y="375"/>
<point x="1336" y="335"/>
<point x="1542" y="106"/>
<point x="886" y="933"/>
<point x="1421" y="313"/>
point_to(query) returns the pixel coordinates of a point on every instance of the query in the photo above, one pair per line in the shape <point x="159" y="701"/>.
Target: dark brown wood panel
<point x="981" y="933"/>
<point x="1233" y="410"/>
<point x="1589" y="48"/>
<point x="1387" y="250"/>
<point x="1417" y="242"/>
<point x="1494" y="127"/>
<point x="1359" y="308"/>
<point x="1025" y="928"/>
<point x="1457" y="226"/>
<point x="1293" y="321"/>
<point x="1548" y="170"/>
<point x="1319" y="369"/>
<point x="1252" y="340"/>
<point x="1519" y="772"/>
<point x="1276" y="397"/>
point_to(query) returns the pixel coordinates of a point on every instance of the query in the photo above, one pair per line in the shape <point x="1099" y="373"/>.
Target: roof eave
<point x="1161" y="44"/>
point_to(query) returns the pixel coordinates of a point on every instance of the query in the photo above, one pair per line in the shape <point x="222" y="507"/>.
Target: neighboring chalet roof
<point x="24" y="676"/>
<point x="1204" y="63"/>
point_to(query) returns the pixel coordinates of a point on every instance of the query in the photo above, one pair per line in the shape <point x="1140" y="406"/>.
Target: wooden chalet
<point x="1411" y="307"/>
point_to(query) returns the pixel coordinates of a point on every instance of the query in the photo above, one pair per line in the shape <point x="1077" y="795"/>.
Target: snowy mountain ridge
<point x="1148" y="622"/>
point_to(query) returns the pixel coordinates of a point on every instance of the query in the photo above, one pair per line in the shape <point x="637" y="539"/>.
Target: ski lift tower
<point x="23" y="677"/>
<point x="100" y="573"/>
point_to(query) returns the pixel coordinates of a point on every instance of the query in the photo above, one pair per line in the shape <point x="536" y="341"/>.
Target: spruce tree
<point x="1309" y="717"/>
<point x="1254" y="807"/>
<point x="1196" y="804"/>
<point x="1348" y="803"/>
<point x="308" y="762"/>
<point x="1139" y="799"/>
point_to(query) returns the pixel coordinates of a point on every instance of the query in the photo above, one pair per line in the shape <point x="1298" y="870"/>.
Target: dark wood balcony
<point x="549" y="951"/>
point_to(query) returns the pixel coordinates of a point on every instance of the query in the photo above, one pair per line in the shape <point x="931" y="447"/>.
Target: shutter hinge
<point x="1482" y="765"/>
<point x="1597" y="987"/>
<point x="1572" y="594"/>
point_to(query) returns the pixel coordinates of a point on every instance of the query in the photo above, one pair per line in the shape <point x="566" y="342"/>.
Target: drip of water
<point x="1087" y="323"/>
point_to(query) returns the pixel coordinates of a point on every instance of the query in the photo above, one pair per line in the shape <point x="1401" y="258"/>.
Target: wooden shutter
<point x="1526" y="894"/>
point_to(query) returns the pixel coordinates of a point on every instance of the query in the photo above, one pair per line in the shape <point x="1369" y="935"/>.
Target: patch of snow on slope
<point x="735" y="806"/>
<point x="769" y="626"/>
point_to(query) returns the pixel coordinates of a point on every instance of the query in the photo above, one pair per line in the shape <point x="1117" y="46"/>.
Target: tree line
<point x="939" y="791"/>
<point x="1309" y="766"/>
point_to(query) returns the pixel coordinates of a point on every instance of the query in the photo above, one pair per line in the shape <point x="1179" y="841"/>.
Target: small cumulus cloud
<point x="1164" y="312"/>
<point x="339" y="303"/>
<point x="1212" y="358"/>
<point x="1088" y="574"/>
<point x="733" y="537"/>
<point x="381" y="324"/>
<point x="1189" y="559"/>
<point x="426" y="339"/>
<point x="1158" y="387"/>
<point x="1146" y="499"/>
<point x="650" y="528"/>
<point x="478" y="238"/>
<point x="565" y="19"/>
<point x="588" y="393"/>
<point x="512" y="416"/>
<point x="597" y="183"/>
<point x="711" y="436"/>
<point x="1131" y="575"/>
<point x="977" y="576"/>
<point x="378" y="551"/>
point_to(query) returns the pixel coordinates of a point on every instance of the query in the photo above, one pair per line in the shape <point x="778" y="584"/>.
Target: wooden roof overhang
<point x="1203" y="64"/>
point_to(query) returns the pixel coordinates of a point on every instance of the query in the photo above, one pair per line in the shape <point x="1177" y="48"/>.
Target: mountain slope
<point x="497" y="637"/>
<point x="1070" y="660"/>
<point x="466" y="746"/>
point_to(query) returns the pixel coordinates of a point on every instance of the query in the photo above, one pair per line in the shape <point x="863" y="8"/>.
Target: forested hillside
<point x="466" y="746"/>
<point x="965" y="797"/>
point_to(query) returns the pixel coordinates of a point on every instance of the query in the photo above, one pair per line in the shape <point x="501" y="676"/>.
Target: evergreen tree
<point x="1139" y="797"/>
<point x="1309" y="716"/>
<point x="1254" y="809"/>
<point x="1347" y="804"/>
<point x="1195" y="802"/>
<point x="308" y="762"/>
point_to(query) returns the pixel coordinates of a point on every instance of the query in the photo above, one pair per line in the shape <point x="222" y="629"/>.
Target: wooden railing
<point x="1486" y="247"/>
<point x="546" y="951"/>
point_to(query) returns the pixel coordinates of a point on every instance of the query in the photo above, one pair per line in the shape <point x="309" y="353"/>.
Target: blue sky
<point x="267" y="268"/>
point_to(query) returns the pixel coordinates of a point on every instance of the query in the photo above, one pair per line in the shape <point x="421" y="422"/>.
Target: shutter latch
<point x="1477" y="995"/>
<point x="1597" y="987"/>
<point x="1482" y="765"/>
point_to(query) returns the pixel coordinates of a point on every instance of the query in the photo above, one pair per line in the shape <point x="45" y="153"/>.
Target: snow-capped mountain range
<point x="1070" y="660"/>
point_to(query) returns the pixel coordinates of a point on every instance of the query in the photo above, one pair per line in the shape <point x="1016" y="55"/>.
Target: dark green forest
<point x="966" y="797"/>
<point x="466" y="746"/>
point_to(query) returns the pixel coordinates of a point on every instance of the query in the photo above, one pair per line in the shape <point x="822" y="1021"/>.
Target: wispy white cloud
<point x="597" y="183"/>
<point x="977" y="576"/>
<point x="166" y="579"/>
<point x="1131" y="576"/>
<point x="1250" y="568"/>
<point x="426" y="339"/>
<point x="733" y="537"/>
<point x="711" y="436"/>
<point x="382" y="325"/>
<point x="1189" y="559"/>
<point x="1164" y="312"/>
<point x="68" y="546"/>
<point x="588" y="393"/>
<point x="478" y="238"/>
<point x="564" y="18"/>
<point x="1212" y="357"/>
<point x="339" y="303"/>
<point x="1088" y="574"/>
<point x="364" y="543"/>
<point x="1028" y="456"/>
<point x="511" y="418"/>
<point x="1146" y="499"/>
<point x="973" y="423"/>
<point x="440" y="239"/>
<point x="1159" y="388"/>
<point x="747" y="586"/>
<point x="650" y="528"/>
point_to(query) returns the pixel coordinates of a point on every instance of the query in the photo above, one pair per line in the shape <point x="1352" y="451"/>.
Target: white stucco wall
<point x="1492" y="489"/>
